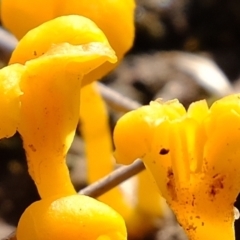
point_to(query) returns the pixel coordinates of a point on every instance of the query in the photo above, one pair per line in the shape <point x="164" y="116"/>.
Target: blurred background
<point x="185" y="49"/>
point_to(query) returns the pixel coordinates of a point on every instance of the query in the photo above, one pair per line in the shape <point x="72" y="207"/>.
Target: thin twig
<point x="7" y="44"/>
<point x="113" y="179"/>
<point x="116" y="100"/>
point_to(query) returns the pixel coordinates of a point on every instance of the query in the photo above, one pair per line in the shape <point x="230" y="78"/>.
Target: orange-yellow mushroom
<point x="72" y="217"/>
<point x="43" y="96"/>
<point x="194" y="158"/>
<point x="95" y="129"/>
<point x="51" y="94"/>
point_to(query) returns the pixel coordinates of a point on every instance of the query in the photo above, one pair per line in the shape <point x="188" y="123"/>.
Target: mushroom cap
<point x="73" y="217"/>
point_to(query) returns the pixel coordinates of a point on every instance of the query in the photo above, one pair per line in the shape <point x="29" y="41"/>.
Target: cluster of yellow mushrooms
<point x="49" y="84"/>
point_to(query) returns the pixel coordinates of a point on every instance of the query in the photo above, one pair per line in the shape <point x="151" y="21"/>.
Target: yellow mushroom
<point x="49" y="105"/>
<point x="42" y="97"/>
<point x="193" y="156"/>
<point x="95" y="129"/>
<point x="72" y="217"/>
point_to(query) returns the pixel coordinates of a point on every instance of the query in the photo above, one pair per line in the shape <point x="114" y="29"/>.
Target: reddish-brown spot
<point x="164" y="151"/>
<point x="32" y="147"/>
<point x="191" y="227"/>
<point x="171" y="184"/>
<point x="193" y="200"/>
<point x="217" y="185"/>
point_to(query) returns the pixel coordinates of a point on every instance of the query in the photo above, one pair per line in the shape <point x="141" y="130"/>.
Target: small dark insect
<point x="164" y="151"/>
